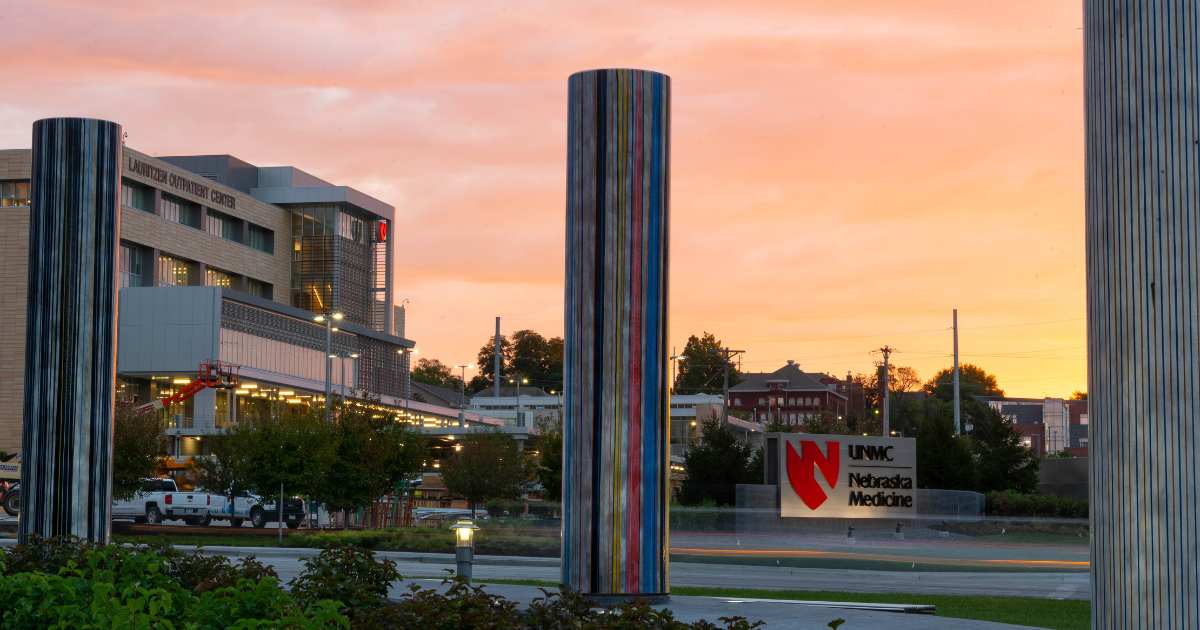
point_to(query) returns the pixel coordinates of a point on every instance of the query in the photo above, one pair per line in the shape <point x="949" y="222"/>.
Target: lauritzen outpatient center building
<point x="221" y="259"/>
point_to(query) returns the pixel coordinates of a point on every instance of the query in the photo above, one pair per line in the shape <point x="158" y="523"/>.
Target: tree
<point x="713" y="469"/>
<point x="434" y="372"/>
<point x="1002" y="461"/>
<point x="1078" y="395"/>
<point x="702" y="369"/>
<point x="538" y="359"/>
<point x="972" y="381"/>
<point x="550" y="456"/>
<point x="139" y="444"/>
<point x="486" y="464"/>
<point x="944" y="461"/>
<point x="228" y="467"/>
<point x="486" y="360"/>
<point x="825" y="422"/>
<point x="372" y="453"/>
<point x="293" y="450"/>
<point x="776" y="426"/>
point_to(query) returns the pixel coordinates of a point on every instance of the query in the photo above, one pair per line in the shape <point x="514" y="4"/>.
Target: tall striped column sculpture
<point x="617" y="411"/>
<point x="1142" y="64"/>
<point x="70" y="346"/>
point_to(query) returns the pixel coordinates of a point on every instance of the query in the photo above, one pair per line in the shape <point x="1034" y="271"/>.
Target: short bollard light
<point x="464" y="547"/>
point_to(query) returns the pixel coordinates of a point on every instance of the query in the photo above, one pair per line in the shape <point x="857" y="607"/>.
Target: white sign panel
<point x="845" y="476"/>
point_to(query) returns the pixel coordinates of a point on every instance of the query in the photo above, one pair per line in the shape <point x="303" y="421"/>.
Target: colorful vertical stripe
<point x="617" y="408"/>
<point x="71" y="330"/>
<point x="1142" y="221"/>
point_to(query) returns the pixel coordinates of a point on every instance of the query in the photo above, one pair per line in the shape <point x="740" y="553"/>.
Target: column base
<point x="616" y="599"/>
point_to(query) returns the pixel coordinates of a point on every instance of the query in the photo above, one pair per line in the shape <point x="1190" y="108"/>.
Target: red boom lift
<point x="213" y="374"/>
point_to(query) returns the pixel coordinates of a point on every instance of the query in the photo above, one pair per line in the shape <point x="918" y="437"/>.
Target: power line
<point x="940" y="310"/>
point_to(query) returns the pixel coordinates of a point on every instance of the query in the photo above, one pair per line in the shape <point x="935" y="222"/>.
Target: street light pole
<point x="518" y="382"/>
<point x="328" y="321"/>
<point x="462" y="404"/>
<point x="407" y="352"/>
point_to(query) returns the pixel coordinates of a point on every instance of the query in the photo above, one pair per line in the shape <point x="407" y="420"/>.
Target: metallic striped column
<point x="70" y="347"/>
<point x="1142" y="64"/>
<point x="617" y="411"/>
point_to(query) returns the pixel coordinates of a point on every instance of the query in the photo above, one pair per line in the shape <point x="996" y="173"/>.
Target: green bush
<point x="1009" y="503"/>
<point x="543" y="511"/>
<point x="69" y="583"/>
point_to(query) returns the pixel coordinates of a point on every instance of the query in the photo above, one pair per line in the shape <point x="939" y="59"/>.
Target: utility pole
<point x="887" y="392"/>
<point x="496" y="374"/>
<point x="726" y="355"/>
<point x="957" y="416"/>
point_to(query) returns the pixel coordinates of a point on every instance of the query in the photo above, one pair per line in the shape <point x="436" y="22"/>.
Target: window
<point x="777" y="402"/>
<point x="807" y="402"/>
<point x="261" y="239"/>
<point x="172" y="272"/>
<point x="14" y="194"/>
<point x="760" y="400"/>
<point x="130" y="265"/>
<point x="791" y="401"/>
<point x="180" y="211"/>
<point x="736" y="401"/>
<point x="255" y="288"/>
<point x="816" y="401"/>
<point x="136" y="197"/>
<point x="217" y="278"/>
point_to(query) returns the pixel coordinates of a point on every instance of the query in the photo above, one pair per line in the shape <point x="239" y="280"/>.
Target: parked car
<point x="257" y="511"/>
<point x="161" y="500"/>
<point x="10" y="484"/>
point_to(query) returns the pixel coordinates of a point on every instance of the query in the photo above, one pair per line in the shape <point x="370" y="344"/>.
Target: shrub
<point x="1009" y="503"/>
<point x="702" y="517"/>
<point x="348" y="575"/>
<point x="543" y="510"/>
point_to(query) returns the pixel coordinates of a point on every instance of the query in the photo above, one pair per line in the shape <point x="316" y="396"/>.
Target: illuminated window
<point x="217" y="278"/>
<point x="172" y="272"/>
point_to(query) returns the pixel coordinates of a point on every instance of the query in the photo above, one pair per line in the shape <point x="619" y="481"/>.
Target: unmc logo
<point x="802" y="470"/>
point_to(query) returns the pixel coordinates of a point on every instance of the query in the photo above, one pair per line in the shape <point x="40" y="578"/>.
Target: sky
<point x="844" y="174"/>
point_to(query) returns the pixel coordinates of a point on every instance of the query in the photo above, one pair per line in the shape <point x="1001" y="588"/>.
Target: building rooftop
<point x="796" y="379"/>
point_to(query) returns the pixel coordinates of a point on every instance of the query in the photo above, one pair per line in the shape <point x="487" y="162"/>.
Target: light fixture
<point x="294" y="400"/>
<point x="464" y="545"/>
<point x="335" y="329"/>
<point x="287" y="393"/>
<point x="338" y="316"/>
<point x="249" y="386"/>
<point x="181" y="381"/>
<point x="333" y="356"/>
<point x="319" y="318"/>
<point x="241" y="391"/>
<point x="353" y="355"/>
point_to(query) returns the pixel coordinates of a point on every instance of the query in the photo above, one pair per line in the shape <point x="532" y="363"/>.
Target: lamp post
<point x="329" y="328"/>
<point x="464" y="545"/>
<point x="462" y="405"/>
<point x="343" y="356"/>
<point x="408" y="352"/>
<point x="900" y="433"/>
<point x="518" y="383"/>
<point x="674" y="360"/>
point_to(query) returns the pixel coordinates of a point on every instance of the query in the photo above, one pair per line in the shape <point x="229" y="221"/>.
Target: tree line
<point x="345" y="463"/>
<point x="525" y="355"/>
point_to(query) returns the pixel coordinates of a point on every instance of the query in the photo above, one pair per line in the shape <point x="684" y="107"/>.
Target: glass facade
<point x="131" y="258"/>
<point x="172" y="272"/>
<point x="334" y="262"/>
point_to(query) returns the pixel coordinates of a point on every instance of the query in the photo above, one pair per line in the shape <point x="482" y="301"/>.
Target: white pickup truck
<point x="257" y="511"/>
<point x="162" y="501"/>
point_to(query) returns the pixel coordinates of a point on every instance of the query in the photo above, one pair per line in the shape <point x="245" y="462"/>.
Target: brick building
<point x="790" y="395"/>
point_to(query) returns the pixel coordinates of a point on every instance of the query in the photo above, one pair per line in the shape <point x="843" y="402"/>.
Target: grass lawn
<point x="1066" y="614"/>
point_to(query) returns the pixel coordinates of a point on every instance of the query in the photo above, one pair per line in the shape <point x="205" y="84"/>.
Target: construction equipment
<point x="214" y="374"/>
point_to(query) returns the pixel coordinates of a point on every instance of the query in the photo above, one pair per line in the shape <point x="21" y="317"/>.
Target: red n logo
<point x="802" y="473"/>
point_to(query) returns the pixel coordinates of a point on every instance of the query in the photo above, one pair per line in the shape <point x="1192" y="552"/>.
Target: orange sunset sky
<point x="844" y="172"/>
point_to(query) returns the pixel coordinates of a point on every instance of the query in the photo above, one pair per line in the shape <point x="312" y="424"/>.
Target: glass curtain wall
<point x="333" y="266"/>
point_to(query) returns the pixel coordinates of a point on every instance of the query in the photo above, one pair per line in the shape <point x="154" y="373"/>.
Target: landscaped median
<point x="69" y="583"/>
